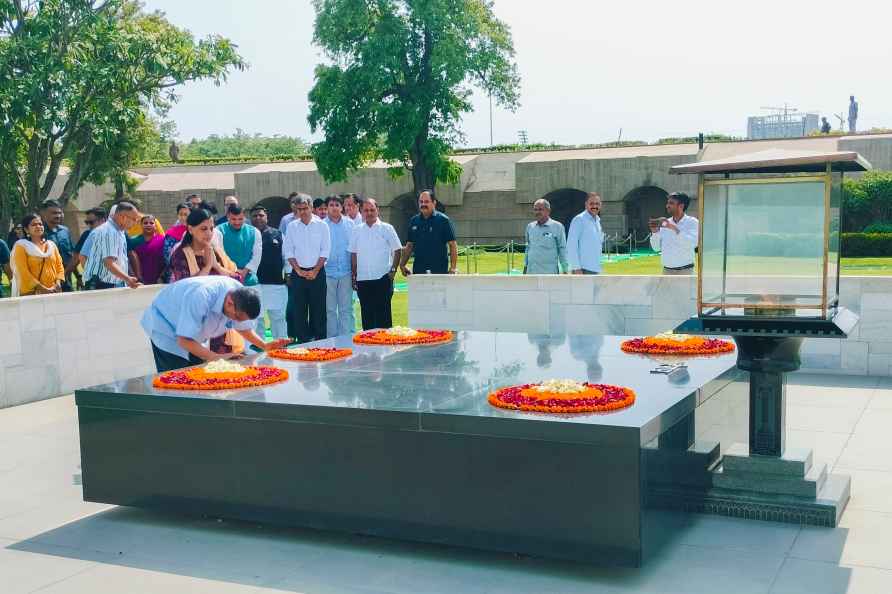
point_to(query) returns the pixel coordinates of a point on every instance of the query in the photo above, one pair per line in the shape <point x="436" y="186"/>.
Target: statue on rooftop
<point x="174" y="152"/>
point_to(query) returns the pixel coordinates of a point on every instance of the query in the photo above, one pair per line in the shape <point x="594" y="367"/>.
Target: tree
<point x="78" y="79"/>
<point x="867" y="200"/>
<point x="398" y="79"/>
<point x="242" y="144"/>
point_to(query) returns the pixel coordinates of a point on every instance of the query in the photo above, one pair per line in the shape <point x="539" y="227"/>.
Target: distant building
<point x="782" y="125"/>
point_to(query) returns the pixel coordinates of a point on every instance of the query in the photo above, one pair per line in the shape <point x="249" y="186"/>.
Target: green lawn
<point x="498" y="263"/>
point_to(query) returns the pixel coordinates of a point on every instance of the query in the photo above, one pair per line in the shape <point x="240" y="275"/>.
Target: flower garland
<point x="401" y="335"/>
<point x="668" y="343"/>
<point x="220" y="375"/>
<point x="563" y="396"/>
<point x="310" y="355"/>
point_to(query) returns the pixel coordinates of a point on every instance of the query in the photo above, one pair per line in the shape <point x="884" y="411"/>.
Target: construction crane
<point x="786" y="110"/>
<point x="842" y="120"/>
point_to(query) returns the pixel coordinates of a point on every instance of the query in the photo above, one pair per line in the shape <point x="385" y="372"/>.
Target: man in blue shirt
<point x="338" y="282"/>
<point x="95" y="217"/>
<point x="52" y="215"/>
<point x="107" y="263"/>
<point x="430" y="233"/>
<point x="185" y="315"/>
<point x="585" y="239"/>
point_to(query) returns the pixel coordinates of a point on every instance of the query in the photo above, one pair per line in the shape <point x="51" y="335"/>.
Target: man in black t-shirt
<point x="430" y="232"/>
<point x="273" y="292"/>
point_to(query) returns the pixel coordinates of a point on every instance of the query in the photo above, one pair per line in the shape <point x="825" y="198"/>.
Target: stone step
<point x="795" y="463"/>
<point x="825" y="510"/>
<point x="691" y="467"/>
<point x="808" y="486"/>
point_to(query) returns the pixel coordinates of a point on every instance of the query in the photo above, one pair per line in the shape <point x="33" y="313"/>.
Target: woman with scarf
<point x="196" y="255"/>
<point x="37" y="267"/>
<point x="146" y="252"/>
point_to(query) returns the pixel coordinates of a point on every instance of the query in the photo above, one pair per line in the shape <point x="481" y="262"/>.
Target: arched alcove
<point x="276" y="207"/>
<point x="566" y="203"/>
<point x="643" y="204"/>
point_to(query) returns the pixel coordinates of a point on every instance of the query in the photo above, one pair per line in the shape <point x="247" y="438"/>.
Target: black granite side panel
<point x="137" y="458"/>
<point x="566" y="500"/>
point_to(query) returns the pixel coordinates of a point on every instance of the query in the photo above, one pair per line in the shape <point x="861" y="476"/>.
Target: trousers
<point x="374" y="302"/>
<point x="165" y="361"/>
<point x="307" y="298"/>
<point x="339" y="305"/>
<point x="273" y="301"/>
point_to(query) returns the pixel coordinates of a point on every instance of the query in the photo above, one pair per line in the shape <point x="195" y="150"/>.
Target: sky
<point x="591" y="71"/>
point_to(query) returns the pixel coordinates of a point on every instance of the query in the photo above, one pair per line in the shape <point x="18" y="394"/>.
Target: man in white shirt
<point x="585" y="239"/>
<point x="353" y="208"/>
<point x="375" y="251"/>
<point x="676" y="237"/>
<point x="306" y="247"/>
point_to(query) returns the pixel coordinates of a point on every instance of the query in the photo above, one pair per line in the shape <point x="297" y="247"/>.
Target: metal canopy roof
<point x="779" y="161"/>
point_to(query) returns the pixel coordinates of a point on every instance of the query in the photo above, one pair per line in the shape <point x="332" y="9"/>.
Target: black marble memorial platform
<point x="401" y="442"/>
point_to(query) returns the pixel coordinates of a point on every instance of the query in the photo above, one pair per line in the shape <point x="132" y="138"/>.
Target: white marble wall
<point x="54" y="344"/>
<point x="635" y="305"/>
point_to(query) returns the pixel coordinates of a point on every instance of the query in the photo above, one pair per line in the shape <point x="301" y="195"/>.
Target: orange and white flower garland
<point x="220" y="375"/>
<point x="310" y="355"/>
<point x="563" y="396"/>
<point x="668" y="343"/>
<point x="399" y="335"/>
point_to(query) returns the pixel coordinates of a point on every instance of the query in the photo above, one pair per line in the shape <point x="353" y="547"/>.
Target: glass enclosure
<point x="769" y="245"/>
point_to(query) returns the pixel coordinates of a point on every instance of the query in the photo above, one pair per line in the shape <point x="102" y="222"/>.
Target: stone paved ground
<point x="52" y="542"/>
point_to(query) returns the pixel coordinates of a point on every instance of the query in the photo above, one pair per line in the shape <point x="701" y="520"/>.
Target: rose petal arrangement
<point x="310" y="355"/>
<point x="668" y="343"/>
<point x="220" y="375"/>
<point x="401" y="335"/>
<point x="563" y="396"/>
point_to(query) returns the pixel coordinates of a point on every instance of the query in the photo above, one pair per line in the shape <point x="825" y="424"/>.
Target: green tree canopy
<point x="399" y="77"/>
<point x="240" y="145"/>
<point x="867" y="200"/>
<point x="243" y="144"/>
<point x="77" y="81"/>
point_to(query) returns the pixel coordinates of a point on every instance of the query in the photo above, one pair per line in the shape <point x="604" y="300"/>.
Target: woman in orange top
<point x="37" y="267"/>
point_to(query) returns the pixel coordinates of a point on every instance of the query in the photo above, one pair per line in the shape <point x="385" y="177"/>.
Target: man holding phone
<point x="675" y="237"/>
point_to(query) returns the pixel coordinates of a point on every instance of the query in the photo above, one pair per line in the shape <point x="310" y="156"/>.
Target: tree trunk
<point x="119" y="187"/>
<point x="422" y="177"/>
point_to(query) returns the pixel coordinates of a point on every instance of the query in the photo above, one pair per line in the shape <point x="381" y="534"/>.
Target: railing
<point x="616" y="247"/>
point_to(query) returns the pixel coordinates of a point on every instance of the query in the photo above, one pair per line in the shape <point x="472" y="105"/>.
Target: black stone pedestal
<point x="766" y="480"/>
<point x="769" y="481"/>
<point x="767" y="360"/>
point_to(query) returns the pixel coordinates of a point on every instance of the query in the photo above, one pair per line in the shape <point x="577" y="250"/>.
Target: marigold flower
<point x="563" y="396"/>
<point x="200" y="378"/>
<point x="402" y="335"/>
<point x="310" y="355"/>
<point x="677" y="344"/>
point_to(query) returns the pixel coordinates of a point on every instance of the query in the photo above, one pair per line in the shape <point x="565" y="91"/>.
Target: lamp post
<point x="768" y="275"/>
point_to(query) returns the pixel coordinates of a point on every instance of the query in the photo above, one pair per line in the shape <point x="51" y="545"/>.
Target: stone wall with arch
<point x="566" y="203"/>
<point x="641" y="205"/>
<point x="276" y="208"/>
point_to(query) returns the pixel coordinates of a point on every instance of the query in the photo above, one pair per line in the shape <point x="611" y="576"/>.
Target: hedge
<point x="867" y="245"/>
